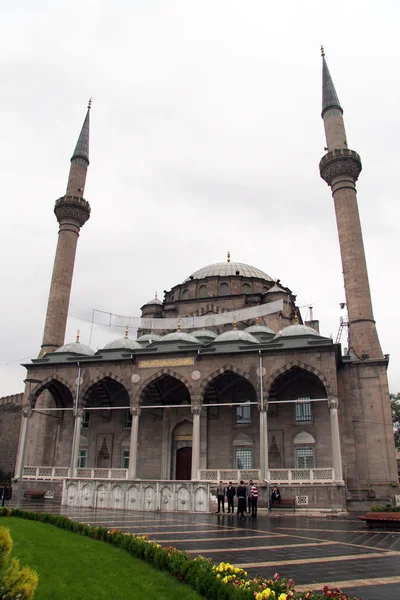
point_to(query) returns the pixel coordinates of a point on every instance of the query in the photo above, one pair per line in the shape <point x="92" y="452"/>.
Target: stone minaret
<point x="72" y="211"/>
<point x="340" y="168"/>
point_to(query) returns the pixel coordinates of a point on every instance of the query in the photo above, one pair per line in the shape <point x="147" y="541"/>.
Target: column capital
<point x="27" y="412"/>
<point x="196" y="409"/>
<point x="79" y="412"/>
<point x="135" y="411"/>
<point x="333" y="402"/>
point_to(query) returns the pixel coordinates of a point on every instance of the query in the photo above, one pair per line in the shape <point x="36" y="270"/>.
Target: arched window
<point x="224" y="289"/>
<point x="246" y="289"/>
<point x="303" y="410"/>
<point x="185" y="295"/>
<point x="203" y="291"/>
<point x="304" y="444"/>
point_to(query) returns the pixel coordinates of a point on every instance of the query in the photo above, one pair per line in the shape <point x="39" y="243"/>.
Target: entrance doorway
<point x="184" y="463"/>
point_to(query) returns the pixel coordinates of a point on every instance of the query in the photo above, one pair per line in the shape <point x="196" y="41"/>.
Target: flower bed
<point x="214" y="582"/>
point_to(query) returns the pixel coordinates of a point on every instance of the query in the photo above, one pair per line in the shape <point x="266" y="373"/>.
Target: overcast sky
<point x="205" y="136"/>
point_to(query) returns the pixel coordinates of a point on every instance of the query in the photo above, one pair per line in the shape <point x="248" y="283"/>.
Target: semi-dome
<point x="180" y="336"/>
<point x="229" y="269"/>
<point x="204" y="333"/>
<point x="123" y="344"/>
<point x="147" y="338"/>
<point x="236" y="335"/>
<point x="296" y="330"/>
<point x="259" y="329"/>
<point x="76" y="348"/>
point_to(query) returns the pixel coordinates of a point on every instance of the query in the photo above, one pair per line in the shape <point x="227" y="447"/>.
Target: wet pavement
<point x="315" y="551"/>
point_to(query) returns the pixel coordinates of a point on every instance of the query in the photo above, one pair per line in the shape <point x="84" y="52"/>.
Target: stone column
<point x="19" y="468"/>
<point x="336" y="452"/>
<point x="264" y="465"/>
<point x="135" y="412"/>
<point x="75" y="443"/>
<point x="196" y="411"/>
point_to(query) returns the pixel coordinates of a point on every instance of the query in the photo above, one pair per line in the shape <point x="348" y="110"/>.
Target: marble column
<point x="336" y="451"/>
<point x="264" y="465"/>
<point x="135" y="412"/>
<point x="75" y="443"/>
<point x="196" y="411"/>
<point x="26" y="415"/>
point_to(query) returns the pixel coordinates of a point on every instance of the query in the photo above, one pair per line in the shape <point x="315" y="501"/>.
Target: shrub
<point x="15" y="583"/>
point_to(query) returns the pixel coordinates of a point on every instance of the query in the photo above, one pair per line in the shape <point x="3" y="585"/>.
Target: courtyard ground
<point x="315" y="551"/>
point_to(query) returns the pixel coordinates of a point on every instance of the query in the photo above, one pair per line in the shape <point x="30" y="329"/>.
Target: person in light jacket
<point x="221" y="496"/>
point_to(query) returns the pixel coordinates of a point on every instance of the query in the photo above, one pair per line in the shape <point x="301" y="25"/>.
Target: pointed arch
<point x="104" y="375"/>
<point x="160" y="373"/>
<point x="224" y="369"/>
<point x="51" y="383"/>
<point x="300" y="365"/>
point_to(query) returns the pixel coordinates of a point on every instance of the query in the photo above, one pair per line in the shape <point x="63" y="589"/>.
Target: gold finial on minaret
<point x="78" y="335"/>
<point x="89" y="104"/>
<point x="179" y="325"/>
<point x="234" y="322"/>
<point x="126" y="331"/>
<point x="156" y="296"/>
<point x="229" y="256"/>
<point x="322" y="51"/>
<point x="256" y="320"/>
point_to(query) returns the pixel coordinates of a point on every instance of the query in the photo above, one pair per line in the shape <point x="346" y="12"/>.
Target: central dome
<point x="229" y="269"/>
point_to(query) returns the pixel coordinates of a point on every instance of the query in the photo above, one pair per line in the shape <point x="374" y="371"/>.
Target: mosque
<point x="224" y="381"/>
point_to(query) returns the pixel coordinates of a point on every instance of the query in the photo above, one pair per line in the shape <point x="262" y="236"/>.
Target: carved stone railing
<point x="180" y="496"/>
<point x="234" y="475"/>
<point x="45" y="472"/>
<point x="296" y="476"/>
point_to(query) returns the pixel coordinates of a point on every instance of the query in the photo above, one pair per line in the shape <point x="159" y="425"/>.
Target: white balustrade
<point x="281" y="476"/>
<point x="62" y="472"/>
<point x="234" y="475"/>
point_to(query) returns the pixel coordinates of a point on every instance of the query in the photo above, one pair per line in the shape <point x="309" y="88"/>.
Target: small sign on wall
<point x="397" y="500"/>
<point x="301" y="500"/>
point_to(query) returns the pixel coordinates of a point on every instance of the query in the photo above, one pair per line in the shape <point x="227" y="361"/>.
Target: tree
<point x="395" y="404"/>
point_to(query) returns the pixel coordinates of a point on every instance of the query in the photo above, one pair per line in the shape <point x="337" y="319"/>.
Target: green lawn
<point x="73" y="567"/>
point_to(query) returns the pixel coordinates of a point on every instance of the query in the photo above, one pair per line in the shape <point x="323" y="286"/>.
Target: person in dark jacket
<point x="275" y="496"/>
<point x="230" y="494"/>
<point x="241" y="496"/>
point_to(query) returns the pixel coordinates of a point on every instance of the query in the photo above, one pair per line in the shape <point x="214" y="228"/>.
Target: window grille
<point x="246" y="288"/>
<point x="303" y="410"/>
<point x="85" y="419"/>
<point x="224" y="289"/>
<point x="203" y="291"/>
<point x="185" y="294"/>
<point x="82" y="458"/>
<point x="243" y="415"/>
<point x="305" y="458"/>
<point x="125" y="459"/>
<point x="243" y="459"/>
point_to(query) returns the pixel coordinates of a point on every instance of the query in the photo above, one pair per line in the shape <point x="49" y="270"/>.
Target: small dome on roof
<point x="76" y="348"/>
<point x="155" y="300"/>
<point x="296" y="330"/>
<point x="258" y="329"/>
<point x="204" y="333"/>
<point x="236" y="335"/>
<point x="123" y="344"/>
<point x="147" y="338"/>
<point x="276" y="289"/>
<point x="180" y="336"/>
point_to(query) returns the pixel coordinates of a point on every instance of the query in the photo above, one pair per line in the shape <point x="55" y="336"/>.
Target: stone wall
<point x="10" y="423"/>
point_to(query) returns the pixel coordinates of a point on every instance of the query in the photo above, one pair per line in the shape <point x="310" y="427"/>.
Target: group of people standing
<point x="247" y="497"/>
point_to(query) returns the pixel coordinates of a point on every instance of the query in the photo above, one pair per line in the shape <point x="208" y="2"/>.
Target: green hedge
<point x="214" y="582"/>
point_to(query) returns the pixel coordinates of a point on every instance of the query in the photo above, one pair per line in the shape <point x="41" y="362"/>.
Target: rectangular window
<point x="85" y="419"/>
<point x="127" y="419"/>
<point x="125" y="459"/>
<point x="243" y="414"/>
<point x="305" y="458"/>
<point x="82" y="458"/>
<point x="303" y="410"/>
<point x="243" y="459"/>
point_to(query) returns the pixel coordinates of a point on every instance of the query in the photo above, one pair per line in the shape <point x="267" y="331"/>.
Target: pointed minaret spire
<point x="80" y="160"/>
<point x="340" y="168"/>
<point x="332" y="112"/>
<point x="72" y="211"/>
<point x="329" y="96"/>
